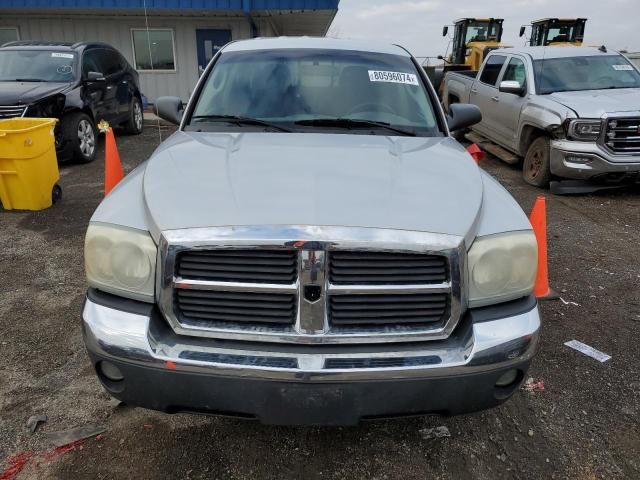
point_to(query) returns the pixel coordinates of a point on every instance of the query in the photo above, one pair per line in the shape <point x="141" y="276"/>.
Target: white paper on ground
<point x="587" y="350"/>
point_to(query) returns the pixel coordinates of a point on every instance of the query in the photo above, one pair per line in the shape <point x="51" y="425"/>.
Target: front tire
<point x="79" y="132"/>
<point x="536" y="169"/>
<point x="136" y="118"/>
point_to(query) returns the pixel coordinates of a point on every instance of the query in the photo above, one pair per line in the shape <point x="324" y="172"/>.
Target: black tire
<point x="536" y="169"/>
<point x="56" y="194"/>
<point x="80" y="136"/>
<point x="135" y="123"/>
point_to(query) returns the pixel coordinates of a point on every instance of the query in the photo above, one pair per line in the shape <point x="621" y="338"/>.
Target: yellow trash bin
<point x="28" y="163"/>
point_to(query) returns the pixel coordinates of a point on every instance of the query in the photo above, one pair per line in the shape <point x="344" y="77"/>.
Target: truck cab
<point x="556" y="31"/>
<point x="473" y="39"/>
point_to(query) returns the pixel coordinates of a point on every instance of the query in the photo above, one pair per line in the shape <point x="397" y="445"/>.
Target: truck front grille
<point x="11" y="111"/>
<point x="388" y="309"/>
<point x="230" y="265"/>
<point x="263" y="284"/>
<point x="623" y="135"/>
<point x="382" y="268"/>
<point x="236" y="307"/>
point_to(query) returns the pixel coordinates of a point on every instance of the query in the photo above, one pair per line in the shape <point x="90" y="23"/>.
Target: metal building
<point x="167" y="41"/>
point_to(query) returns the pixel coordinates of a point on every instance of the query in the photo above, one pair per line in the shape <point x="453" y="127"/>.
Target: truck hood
<point x="17" y="93"/>
<point x="226" y="179"/>
<point x="595" y="103"/>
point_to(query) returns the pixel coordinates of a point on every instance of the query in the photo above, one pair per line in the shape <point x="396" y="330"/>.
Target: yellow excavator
<point x="473" y="39"/>
<point x="556" y="31"/>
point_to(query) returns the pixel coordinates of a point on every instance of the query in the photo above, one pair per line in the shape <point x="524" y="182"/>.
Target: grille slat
<point x="623" y="135"/>
<point x="234" y="307"/>
<point x="381" y="268"/>
<point x="248" y="266"/>
<point x="362" y="310"/>
<point x="10" y="111"/>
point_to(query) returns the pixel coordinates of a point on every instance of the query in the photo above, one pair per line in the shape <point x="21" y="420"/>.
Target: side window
<point x="90" y="62"/>
<point x="516" y="72"/>
<point x="492" y="69"/>
<point x="110" y="61"/>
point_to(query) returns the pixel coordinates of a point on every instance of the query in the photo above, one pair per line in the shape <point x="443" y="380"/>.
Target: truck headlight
<point x="584" y="130"/>
<point x="121" y="261"/>
<point x="501" y="268"/>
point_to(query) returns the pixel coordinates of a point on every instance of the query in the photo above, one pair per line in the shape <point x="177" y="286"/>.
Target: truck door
<point x="509" y="105"/>
<point x="484" y="94"/>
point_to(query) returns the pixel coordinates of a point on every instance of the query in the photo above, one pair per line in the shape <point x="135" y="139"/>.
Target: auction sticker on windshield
<point x="61" y="55"/>
<point x="622" y="67"/>
<point x="393" y="77"/>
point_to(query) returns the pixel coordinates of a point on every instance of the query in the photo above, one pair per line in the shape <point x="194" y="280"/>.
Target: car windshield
<point x="37" y="66"/>
<point x="584" y="73"/>
<point x="309" y="90"/>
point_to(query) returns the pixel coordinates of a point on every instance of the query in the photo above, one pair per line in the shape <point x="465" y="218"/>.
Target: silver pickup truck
<point x="311" y="247"/>
<point x="571" y="112"/>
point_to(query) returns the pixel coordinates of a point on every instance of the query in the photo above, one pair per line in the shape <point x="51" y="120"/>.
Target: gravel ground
<point x="585" y="424"/>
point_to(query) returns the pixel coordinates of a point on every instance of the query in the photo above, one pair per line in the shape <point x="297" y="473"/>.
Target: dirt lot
<point x="585" y="424"/>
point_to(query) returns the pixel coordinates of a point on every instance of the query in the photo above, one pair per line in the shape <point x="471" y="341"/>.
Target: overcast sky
<point x="417" y="24"/>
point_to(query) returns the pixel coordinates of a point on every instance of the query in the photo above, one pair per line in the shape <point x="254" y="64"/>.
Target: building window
<point x="8" y="34"/>
<point x="153" y="50"/>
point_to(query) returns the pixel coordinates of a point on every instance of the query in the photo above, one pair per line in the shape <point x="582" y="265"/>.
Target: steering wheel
<point x="370" y="107"/>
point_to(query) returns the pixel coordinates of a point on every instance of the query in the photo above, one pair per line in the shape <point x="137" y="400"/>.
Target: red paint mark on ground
<point x="148" y="426"/>
<point x="534" y="385"/>
<point x="15" y="464"/>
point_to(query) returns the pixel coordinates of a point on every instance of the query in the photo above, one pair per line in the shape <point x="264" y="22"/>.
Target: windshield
<point x="301" y="89"/>
<point x="481" y="32"/>
<point x="37" y="66"/>
<point x="561" y="33"/>
<point x="584" y="73"/>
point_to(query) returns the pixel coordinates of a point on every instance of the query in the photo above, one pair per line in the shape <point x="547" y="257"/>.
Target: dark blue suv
<point x="80" y="84"/>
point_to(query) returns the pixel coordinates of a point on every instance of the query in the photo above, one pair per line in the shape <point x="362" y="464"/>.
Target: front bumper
<point x="318" y="385"/>
<point x="589" y="161"/>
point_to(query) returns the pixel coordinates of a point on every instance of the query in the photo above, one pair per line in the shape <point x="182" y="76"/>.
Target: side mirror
<point x="169" y="109"/>
<point x="445" y="30"/>
<point x="463" y="115"/>
<point x="522" y="30"/>
<point x="513" y="87"/>
<point x="95" y="77"/>
<point x="440" y="57"/>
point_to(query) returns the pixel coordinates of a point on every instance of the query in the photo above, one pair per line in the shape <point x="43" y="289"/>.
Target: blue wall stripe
<point x="246" y="5"/>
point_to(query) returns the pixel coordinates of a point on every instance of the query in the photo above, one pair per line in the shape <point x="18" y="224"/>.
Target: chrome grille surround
<point x="621" y="133"/>
<point x="313" y="244"/>
<point x="12" y="111"/>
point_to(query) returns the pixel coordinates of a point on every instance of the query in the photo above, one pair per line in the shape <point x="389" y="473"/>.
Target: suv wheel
<point x="536" y="168"/>
<point x="80" y="133"/>
<point x="136" y="117"/>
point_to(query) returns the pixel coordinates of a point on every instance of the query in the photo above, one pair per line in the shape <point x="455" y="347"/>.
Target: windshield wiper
<point x="29" y="80"/>
<point x="354" y="123"/>
<point x="239" y="121"/>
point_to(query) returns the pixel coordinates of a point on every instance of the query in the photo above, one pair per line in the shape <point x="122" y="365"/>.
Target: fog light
<point x="507" y="378"/>
<point x="110" y="371"/>
<point x="577" y="159"/>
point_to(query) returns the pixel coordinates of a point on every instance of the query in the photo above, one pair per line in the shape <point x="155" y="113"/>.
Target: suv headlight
<point x="584" y="130"/>
<point x="121" y="261"/>
<point x="502" y="267"/>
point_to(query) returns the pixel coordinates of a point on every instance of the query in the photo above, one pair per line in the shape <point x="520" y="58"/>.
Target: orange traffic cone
<point x="476" y="152"/>
<point x="538" y="219"/>
<point x="112" y="167"/>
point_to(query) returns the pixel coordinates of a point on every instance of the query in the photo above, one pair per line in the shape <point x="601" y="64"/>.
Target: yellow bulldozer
<point x="473" y="39"/>
<point x="556" y="31"/>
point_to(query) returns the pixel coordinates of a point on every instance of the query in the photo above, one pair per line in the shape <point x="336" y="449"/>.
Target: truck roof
<point x="315" y="43"/>
<point x="539" y="53"/>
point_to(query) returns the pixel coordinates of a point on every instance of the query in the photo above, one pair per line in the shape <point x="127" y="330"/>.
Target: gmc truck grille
<point x="381" y="268"/>
<point x="397" y="309"/>
<point x="237" y="307"/>
<point x="623" y="135"/>
<point x="249" y="266"/>
<point x="262" y="284"/>
<point x="11" y="111"/>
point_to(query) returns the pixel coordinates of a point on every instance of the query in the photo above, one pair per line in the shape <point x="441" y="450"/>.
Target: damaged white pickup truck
<point x="570" y="112"/>
<point x="311" y="247"/>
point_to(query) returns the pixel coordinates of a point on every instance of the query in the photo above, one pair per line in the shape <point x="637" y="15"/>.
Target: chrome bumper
<point x="585" y="160"/>
<point x="147" y="341"/>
